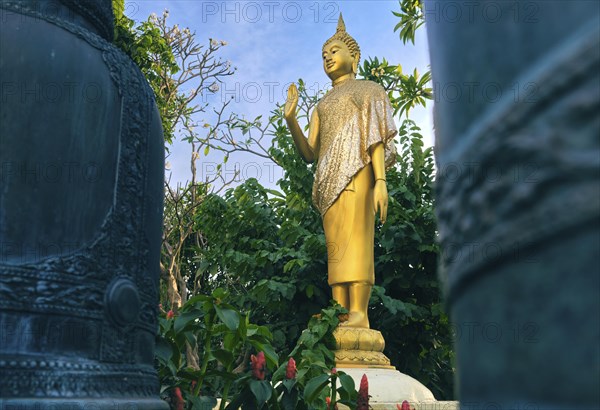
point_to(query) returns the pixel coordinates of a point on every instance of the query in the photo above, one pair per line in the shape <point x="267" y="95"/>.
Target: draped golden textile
<point x="353" y="116"/>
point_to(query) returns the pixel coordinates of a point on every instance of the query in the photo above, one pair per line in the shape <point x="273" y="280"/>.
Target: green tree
<point x="118" y="7"/>
<point x="181" y="72"/>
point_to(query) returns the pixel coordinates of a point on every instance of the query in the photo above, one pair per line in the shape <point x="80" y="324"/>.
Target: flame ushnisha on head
<point x="343" y="36"/>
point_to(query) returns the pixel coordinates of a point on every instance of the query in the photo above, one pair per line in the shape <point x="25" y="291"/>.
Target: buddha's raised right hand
<point x="291" y="104"/>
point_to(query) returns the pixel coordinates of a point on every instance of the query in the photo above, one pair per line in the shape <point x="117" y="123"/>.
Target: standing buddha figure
<point x="351" y="137"/>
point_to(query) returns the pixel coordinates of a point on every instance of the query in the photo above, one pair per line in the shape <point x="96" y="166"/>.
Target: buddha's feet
<point x="356" y="319"/>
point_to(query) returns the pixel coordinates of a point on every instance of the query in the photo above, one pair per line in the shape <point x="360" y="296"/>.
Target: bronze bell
<point x="81" y="201"/>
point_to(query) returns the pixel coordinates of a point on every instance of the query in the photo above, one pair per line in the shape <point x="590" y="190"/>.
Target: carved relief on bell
<point x="81" y="190"/>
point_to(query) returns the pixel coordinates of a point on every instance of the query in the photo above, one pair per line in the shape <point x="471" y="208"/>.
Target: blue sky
<point x="275" y="42"/>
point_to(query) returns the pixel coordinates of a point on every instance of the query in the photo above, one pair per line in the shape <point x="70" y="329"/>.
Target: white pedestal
<point x="390" y="387"/>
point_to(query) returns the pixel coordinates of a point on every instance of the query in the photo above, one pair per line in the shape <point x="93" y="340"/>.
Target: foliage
<point x="181" y="72"/>
<point x="411" y="18"/>
<point x="279" y="257"/>
<point x="405" y="91"/>
<point x="118" y="7"/>
<point x="153" y="55"/>
<point x="277" y="249"/>
<point x="178" y="69"/>
<point x="314" y="381"/>
<point x="227" y="337"/>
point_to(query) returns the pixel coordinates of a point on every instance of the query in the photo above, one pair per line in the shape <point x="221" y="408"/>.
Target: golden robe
<point x="353" y="116"/>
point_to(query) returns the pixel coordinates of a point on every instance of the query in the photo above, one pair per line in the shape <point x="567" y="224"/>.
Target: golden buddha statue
<point x="350" y="136"/>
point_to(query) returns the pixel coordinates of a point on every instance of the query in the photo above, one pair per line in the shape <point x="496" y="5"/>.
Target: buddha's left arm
<point x="380" y="194"/>
<point x="378" y="160"/>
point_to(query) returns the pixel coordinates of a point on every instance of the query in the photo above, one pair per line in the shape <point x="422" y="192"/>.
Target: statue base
<point x="360" y="351"/>
<point x="389" y="387"/>
<point x="360" y="348"/>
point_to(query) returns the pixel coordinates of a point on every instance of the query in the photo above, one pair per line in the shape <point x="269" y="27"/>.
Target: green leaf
<point x="244" y="397"/>
<point x="289" y="384"/>
<point x="314" y="386"/>
<point x="230" y="317"/>
<point x="275" y="193"/>
<point x="262" y="391"/>
<point x="202" y="402"/>
<point x="184" y="319"/>
<point x="347" y="388"/>
<point x="289" y="400"/>
<point x="223" y="356"/>
<point x="163" y="350"/>
<point x="195" y="299"/>
<point x="219" y="293"/>
<point x="221" y="375"/>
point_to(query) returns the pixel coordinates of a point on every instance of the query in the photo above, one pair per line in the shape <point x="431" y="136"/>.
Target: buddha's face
<point x="337" y="60"/>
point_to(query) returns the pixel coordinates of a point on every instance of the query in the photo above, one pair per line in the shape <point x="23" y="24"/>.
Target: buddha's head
<point x="341" y="53"/>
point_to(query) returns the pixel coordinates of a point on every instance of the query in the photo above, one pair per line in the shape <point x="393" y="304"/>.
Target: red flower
<point x="170" y="314"/>
<point x="334" y="371"/>
<point x="177" y="398"/>
<point x="290" y="371"/>
<point x="258" y="366"/>
<point x="328" y="402"/>
<point x="405" y="406"/>
<point x="363" y="394"/>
